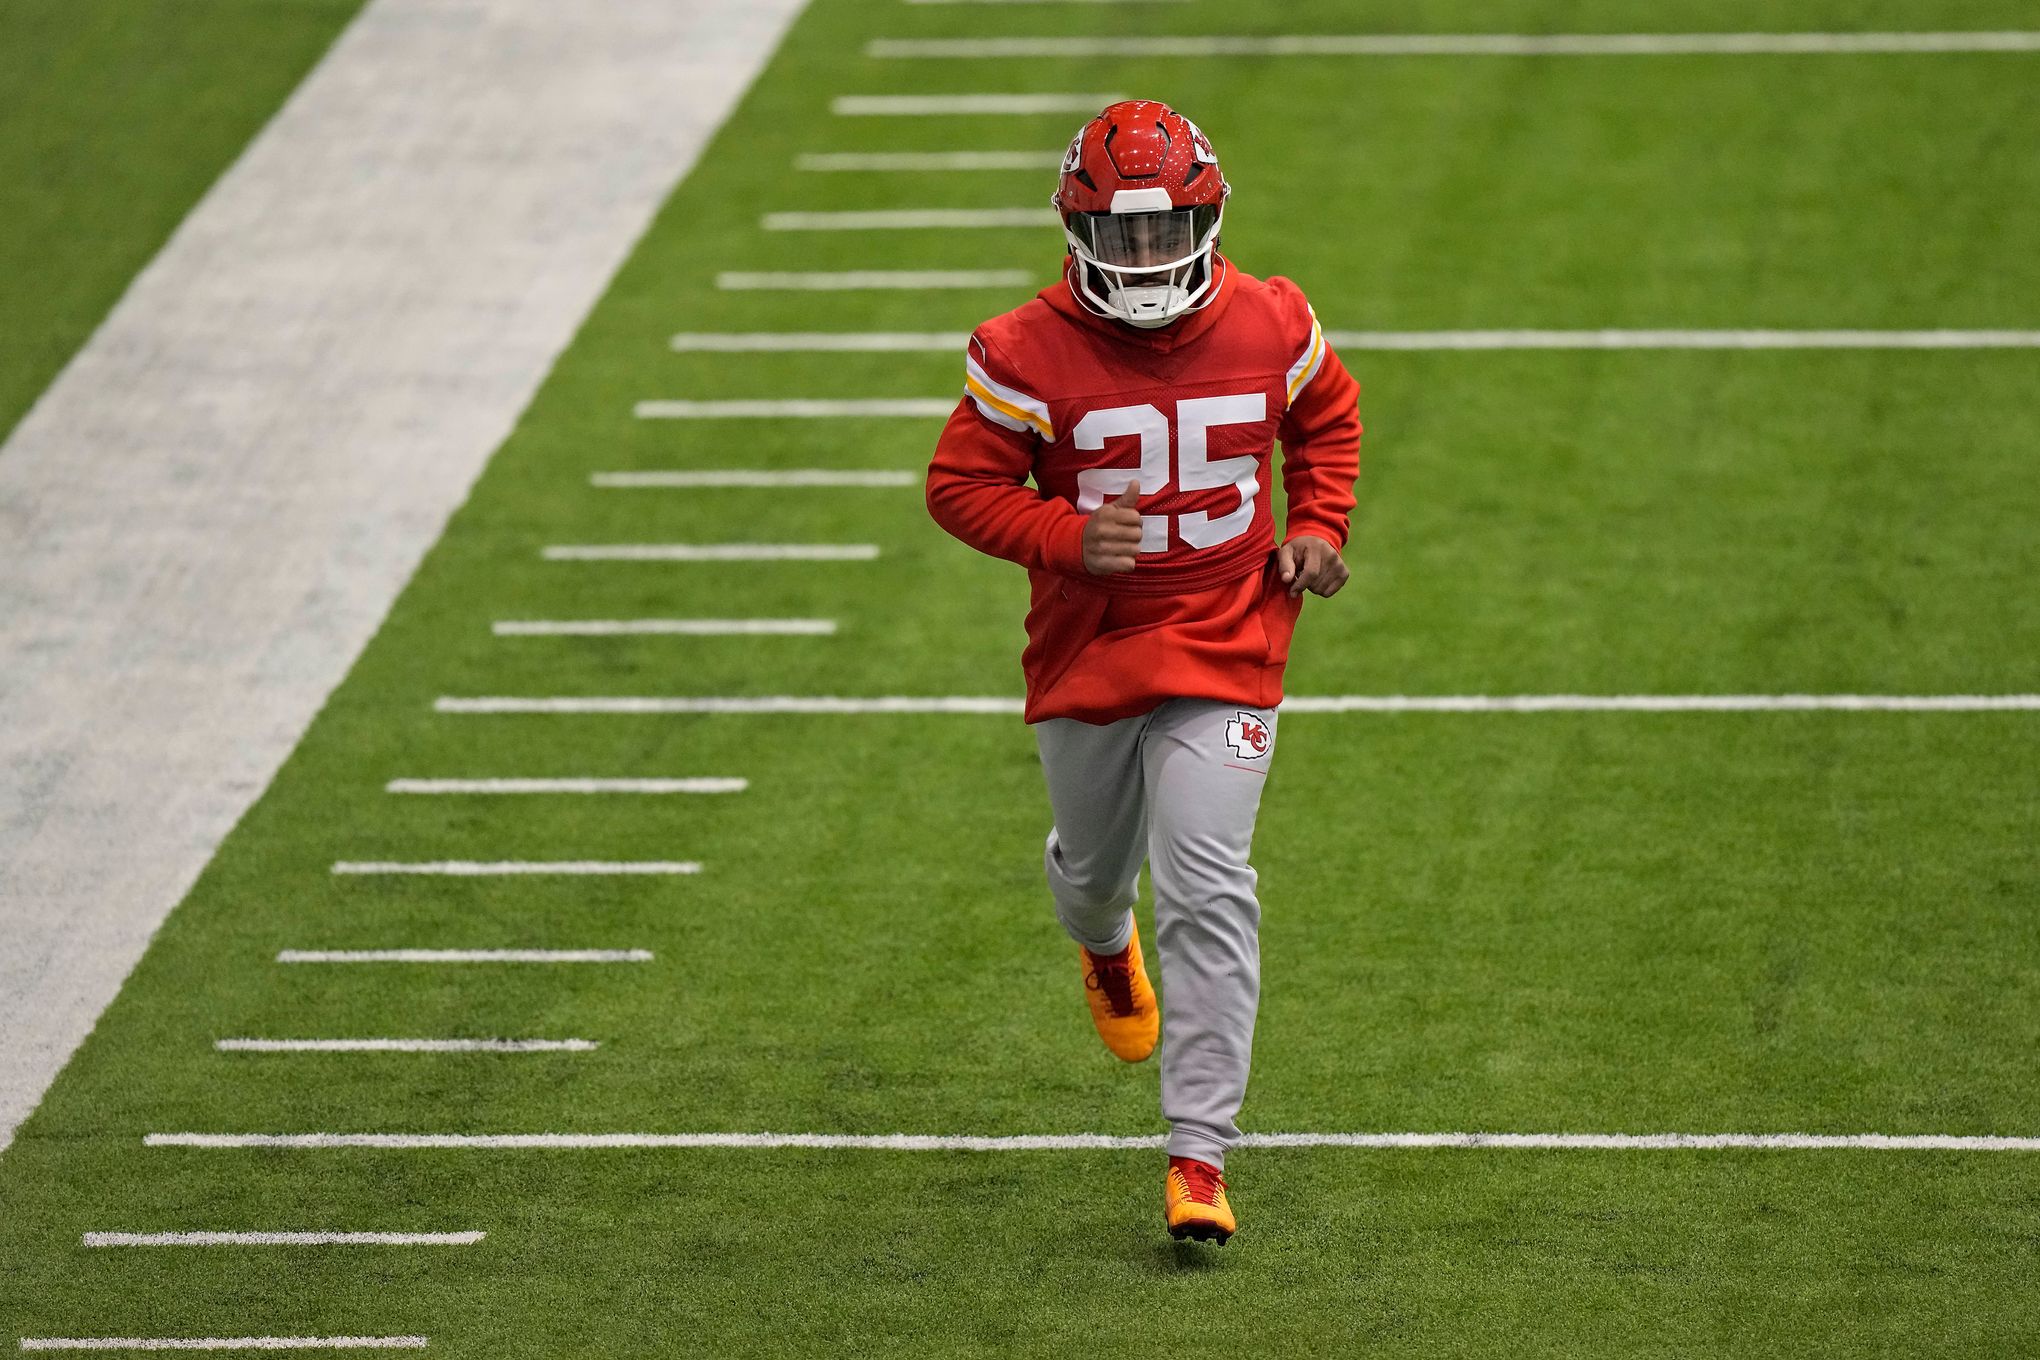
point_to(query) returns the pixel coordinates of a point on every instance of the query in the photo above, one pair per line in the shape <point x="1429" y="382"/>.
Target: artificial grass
<point x="115" y="117"/>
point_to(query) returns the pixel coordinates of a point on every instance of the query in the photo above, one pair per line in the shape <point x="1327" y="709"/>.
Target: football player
<point x="1144" y="392"/>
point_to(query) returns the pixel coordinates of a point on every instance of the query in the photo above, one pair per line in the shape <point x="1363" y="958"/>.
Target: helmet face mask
<point x="1141" y="199"/>
<point x="1146" y="268"/>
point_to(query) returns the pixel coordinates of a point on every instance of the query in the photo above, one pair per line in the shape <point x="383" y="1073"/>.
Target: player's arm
<point x="1320" y="436"/>
<point x="977" y="484"/>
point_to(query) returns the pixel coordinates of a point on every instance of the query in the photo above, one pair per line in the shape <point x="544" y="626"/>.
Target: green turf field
<point x="115" y="116"/>
<point x="1758" y="922"/>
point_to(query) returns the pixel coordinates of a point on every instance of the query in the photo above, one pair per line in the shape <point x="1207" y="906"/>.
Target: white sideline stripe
<point x="686" y="627"/>
<point x="1613" y="339"/>
<point x="931" y="160"/>
<point x="741" y="342"/>
<point x="635" y="481"/>
<point x="909" y="219"/>
<point x="223" y="1343"/>
<point x="910" y="279"/>
<point x="711" y="552"/>
<point x="935" y="105"/>
<point x="1083" y="1142"/>
<point x="432" y="786"/>
<point x="469" y="868"/>
<point x="282" y="1239"/>
<point x="1345" y="703"/>
<point x="1459" y="45"/>
<point x="404" y="1044"/>
<point x="798" y="409"/>
<point x="464" y="956"/>
<point x="405" y="247"/>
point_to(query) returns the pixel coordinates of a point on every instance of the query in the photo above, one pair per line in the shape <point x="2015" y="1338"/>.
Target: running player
<point x="1144" y="392"/>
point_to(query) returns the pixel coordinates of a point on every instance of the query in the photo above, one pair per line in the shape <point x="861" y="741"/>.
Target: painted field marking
<point x="1669" y="339"/>
<point x="909" y="219"/>
<point x="282" y="1239"/>
<point x="929" y="160"/>
<point x="754" y="477"/>
<point x="406" y="1044"/>
<point x="946" y="342"/>
<point x="223" y="1343"/>
<point x="473" y="868"/>
<point x="794" y="409"/>
<point x="1459" y="45"/>
<point x="854" y="279"/>
<point x="662" y="627"/>
<point x="1347" y="703"/>
<point x="577" y="786"/>
<point x="711" y="552"/>
<point x="1084" y="1142"/>
<point x="943" y="105"/>
<point x="464" y="956"/>
<point x="743" y="342"/>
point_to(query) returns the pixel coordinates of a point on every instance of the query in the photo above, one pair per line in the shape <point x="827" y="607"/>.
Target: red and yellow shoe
<point x="1194" y="1199"/>
<point x="1123" y="1005"/>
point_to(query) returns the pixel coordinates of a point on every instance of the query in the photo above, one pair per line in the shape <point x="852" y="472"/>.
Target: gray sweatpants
<point x="1178" y="787"/>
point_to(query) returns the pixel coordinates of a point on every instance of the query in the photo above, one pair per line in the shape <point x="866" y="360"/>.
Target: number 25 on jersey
<point x="1195" y="470"/>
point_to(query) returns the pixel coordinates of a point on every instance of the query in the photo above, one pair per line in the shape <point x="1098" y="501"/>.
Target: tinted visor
<point x="1146" y="240"/>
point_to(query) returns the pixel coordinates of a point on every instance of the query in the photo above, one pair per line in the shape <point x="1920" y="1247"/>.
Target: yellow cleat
<point x="1194" y="1199"/>
<point x="1123" y="1005"/>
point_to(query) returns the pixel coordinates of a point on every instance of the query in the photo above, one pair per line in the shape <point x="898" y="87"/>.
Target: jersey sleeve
<point x="1320" y="433"/>
<point x="977" y="481"/>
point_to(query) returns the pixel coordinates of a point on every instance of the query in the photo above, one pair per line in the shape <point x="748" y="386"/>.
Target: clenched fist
<point x="1308" y="562"/>
<point x="1112" y="535"/>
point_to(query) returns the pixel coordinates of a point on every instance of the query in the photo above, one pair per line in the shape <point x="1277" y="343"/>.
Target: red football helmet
<point x="1141" y="198"/>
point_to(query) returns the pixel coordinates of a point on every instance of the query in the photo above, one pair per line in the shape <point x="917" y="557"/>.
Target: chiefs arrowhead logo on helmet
<point x="1141" y="198"/>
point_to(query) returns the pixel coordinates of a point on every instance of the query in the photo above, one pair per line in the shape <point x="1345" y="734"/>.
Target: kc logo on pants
<point x="1248" y="736"/>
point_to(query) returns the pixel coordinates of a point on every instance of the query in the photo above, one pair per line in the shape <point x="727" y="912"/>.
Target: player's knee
<point x="1088" y="884"/>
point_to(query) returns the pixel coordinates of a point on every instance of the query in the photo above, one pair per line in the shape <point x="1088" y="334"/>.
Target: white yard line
<point x="910" y="219"/>
<point x="574" y="786"/>
<point x="1132" y="47"/>
<point x="464" y="956"/>
<point x="1083" y="1142"/>
<point x="753" y="477"/>
<point x="947" y="105"/>
<point x="282" y="1239"/>
<point x="711" y="552"/>
<point x="1346" y="703"/>
<point x="1668" y="339"/>
<point x="403" y="250"/>
<point x="404" y="1044"/>
<point x="928" y="160"/>
<point x="909" y="280"/>
<point x="664" y="627"/>
<point x="223" y="1343"/>
<point x="472" y="868"/>
<point x="743" y="342"/>
<point x="798" y="408"/>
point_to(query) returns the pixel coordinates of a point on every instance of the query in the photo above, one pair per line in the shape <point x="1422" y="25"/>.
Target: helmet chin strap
<point x="1149" y="308"/>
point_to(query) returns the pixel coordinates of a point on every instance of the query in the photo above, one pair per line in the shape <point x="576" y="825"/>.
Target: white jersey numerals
<point x="1196" y="417"/>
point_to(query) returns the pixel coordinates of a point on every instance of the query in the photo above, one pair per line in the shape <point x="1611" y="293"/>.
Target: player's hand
<point x="1307" y="562"/>
<point x="1112" y="535"/>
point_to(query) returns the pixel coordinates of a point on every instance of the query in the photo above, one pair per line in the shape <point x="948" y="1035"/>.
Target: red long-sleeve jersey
<point x="1189" y="414"/>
